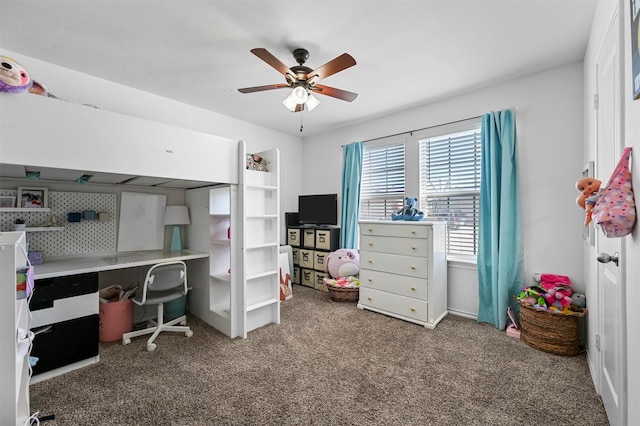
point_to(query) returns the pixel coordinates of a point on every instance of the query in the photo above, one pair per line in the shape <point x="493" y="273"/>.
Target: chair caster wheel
<point x="188" y="333"/>
<point x="151" y="347"/>
<point x="126" y="341"/>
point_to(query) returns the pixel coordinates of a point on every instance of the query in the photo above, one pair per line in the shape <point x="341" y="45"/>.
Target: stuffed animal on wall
<point x="13" y="77"/>
<point x="589" y="188"/>
<point x="409" y="211"/>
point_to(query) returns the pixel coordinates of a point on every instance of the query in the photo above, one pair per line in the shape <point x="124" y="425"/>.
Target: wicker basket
<point x="343" y="294"/>
<point x="551" y="332"/>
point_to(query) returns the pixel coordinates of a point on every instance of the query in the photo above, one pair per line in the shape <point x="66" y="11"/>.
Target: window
<point x="450" y="186"/>
<point x="441" y="166"/>
<point x="383" y="179"/>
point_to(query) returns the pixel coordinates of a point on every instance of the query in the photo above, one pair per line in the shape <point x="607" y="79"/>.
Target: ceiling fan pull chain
<point x="300" y="123"/>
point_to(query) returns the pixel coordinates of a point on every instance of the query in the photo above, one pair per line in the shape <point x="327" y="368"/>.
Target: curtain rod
<point x="430" y="127"/>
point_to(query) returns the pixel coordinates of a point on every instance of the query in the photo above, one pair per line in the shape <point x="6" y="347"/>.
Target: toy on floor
<point x="343" y="265"/>
<point x="409" y="211"/>
<point x="13" y="77"/>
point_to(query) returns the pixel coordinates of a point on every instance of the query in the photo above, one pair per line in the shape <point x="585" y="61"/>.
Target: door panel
<point x="609" y="287"/>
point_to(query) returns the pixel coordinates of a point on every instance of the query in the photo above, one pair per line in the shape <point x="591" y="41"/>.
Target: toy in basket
<point x="343" y="265"/>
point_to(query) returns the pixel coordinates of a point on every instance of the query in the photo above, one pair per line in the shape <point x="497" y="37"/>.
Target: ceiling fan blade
<point x="261" y="88"/>
<point x="266" y="56"/>
<point x="338" y="64"/>
<point x="335" y="93"/>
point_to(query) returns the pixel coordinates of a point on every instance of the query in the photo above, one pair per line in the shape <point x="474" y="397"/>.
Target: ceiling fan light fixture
<point x="290" y="103"/>
<point x="312" y="102"/>
<point x="299" y="94"/>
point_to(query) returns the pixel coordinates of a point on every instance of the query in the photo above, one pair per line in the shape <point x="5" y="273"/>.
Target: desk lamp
<point x="176" y="216"/>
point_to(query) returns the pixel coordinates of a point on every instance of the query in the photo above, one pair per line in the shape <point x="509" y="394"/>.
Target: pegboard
<point x="84" y="237"/>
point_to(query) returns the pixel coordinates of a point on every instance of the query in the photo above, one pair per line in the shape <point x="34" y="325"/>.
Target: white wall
<point x="550" y="137"/>
<point x="85" y="89"/>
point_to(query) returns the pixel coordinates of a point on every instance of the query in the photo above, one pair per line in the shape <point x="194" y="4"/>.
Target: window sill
<point x="462" y="260"/>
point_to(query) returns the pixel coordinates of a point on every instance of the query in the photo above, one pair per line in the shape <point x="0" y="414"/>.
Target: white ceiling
<point x="408" y="53"/>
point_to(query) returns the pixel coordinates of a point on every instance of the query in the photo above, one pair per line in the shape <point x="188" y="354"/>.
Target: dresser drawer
<point x="395" y="245"/>
<point x="405" y="229"/>
<point x="400" y="306"/>
<point x="393" y="283"/>
<point x="394" y="263"/>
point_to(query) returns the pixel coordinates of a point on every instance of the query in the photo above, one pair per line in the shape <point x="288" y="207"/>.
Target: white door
<point x="610" y="288"/>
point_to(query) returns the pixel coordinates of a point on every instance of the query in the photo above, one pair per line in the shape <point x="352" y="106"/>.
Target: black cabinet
<point x="311" y="246"/>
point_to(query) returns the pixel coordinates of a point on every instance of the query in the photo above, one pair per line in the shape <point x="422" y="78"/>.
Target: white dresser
<point x="403" y="270"/>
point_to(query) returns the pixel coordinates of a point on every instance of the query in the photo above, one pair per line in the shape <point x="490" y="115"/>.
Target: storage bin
<point x="116" y="318"/>
<point x="551" y="332"/>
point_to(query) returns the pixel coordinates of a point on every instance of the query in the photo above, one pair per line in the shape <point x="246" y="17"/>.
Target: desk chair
<point x="164" y="282"/>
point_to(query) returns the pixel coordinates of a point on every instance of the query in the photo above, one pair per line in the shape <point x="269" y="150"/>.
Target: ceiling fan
<point x="303" y="80"/>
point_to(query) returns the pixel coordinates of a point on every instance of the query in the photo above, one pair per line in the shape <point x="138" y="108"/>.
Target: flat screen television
<point x="319" y="209"/>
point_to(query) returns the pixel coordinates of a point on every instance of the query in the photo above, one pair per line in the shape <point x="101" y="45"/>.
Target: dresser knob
<point x="413" y="309"/>
<point x="370" y="244"/>
<point x="370" y="230"/>
<point x="413" y="267"/>
<point x="370" y="280"/>
<point x="413" y="247"/>
<point x="370" y="298"/>
<point x="370" y="261"/>
<point x="413" y="232"/>
<point x="413" y="289"/>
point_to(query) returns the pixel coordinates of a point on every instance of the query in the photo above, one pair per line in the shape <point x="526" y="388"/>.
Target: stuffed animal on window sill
<point x="409" y="211"/>
<point x="343" y="265"/>
<point x="13" y="77"/>
<point x="590" y="191"/>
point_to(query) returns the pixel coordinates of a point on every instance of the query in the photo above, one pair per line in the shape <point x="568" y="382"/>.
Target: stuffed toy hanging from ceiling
<point x="13" y="77"/>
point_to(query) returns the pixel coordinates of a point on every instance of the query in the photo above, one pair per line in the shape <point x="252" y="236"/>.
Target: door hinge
<point x="596" y="101"/>
<point x="597" y="341"/>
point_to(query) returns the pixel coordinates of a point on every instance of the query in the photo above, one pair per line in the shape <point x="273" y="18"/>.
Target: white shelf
<point x="269" y="187"/>
<point x="261" y="304"/>
<point x="221" y="242"/>
<point x="259" y="246"/>
<point x="23" y="210"/>
<point x="260" y="275"/>
<point x="44" y="229"/>
<point x="262" y="216"/>
<point x="222" y="276"/>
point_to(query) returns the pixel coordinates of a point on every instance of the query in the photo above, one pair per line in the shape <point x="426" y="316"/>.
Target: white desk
<point x="60" y="266"/>
<point x="85" y="305"/>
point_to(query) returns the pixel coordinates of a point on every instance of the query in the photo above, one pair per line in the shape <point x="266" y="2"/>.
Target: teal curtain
<point x="500" y="252"/>
<point x="351" y="176"/>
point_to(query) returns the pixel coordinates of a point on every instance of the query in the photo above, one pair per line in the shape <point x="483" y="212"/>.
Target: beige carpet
<point x="327" y="363"/>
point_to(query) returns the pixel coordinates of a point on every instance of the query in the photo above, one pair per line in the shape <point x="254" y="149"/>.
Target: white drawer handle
<point x="413" y="267"/>
<point x="370" y="298"/>
<point x="413" y="309"/>
<point x="370" y="261"/>
<point x="370" y="230"/>
<point x="413" y="289"/>
<point x="370" y="280"/>
<point x="413" y="247"/>
<point x="370" y="244"/>
<point x="413" y="232"/>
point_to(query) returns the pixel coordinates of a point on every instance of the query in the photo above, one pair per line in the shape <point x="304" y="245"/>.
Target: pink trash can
<point x="116" y="318"/>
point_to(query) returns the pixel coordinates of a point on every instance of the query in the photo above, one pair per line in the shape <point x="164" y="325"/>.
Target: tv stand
<point x="311" y="245"/>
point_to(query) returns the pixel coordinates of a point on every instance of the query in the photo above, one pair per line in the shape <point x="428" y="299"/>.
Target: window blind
<point x="383" y="181"/>
<point x="450" y="186"/>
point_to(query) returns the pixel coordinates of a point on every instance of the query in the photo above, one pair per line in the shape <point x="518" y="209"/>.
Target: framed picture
<point x="635" y="47"/>
<point x="32" y="198"/>
<point x="7" y="201"/>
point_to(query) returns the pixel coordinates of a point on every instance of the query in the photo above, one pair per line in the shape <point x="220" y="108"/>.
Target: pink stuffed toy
<point x="13" y="77"/>
<point x="558" y="290"/>
<point x="343" y="265"/>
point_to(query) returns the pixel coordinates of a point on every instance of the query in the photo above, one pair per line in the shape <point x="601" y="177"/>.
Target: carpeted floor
<point x="327" y="363"/>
